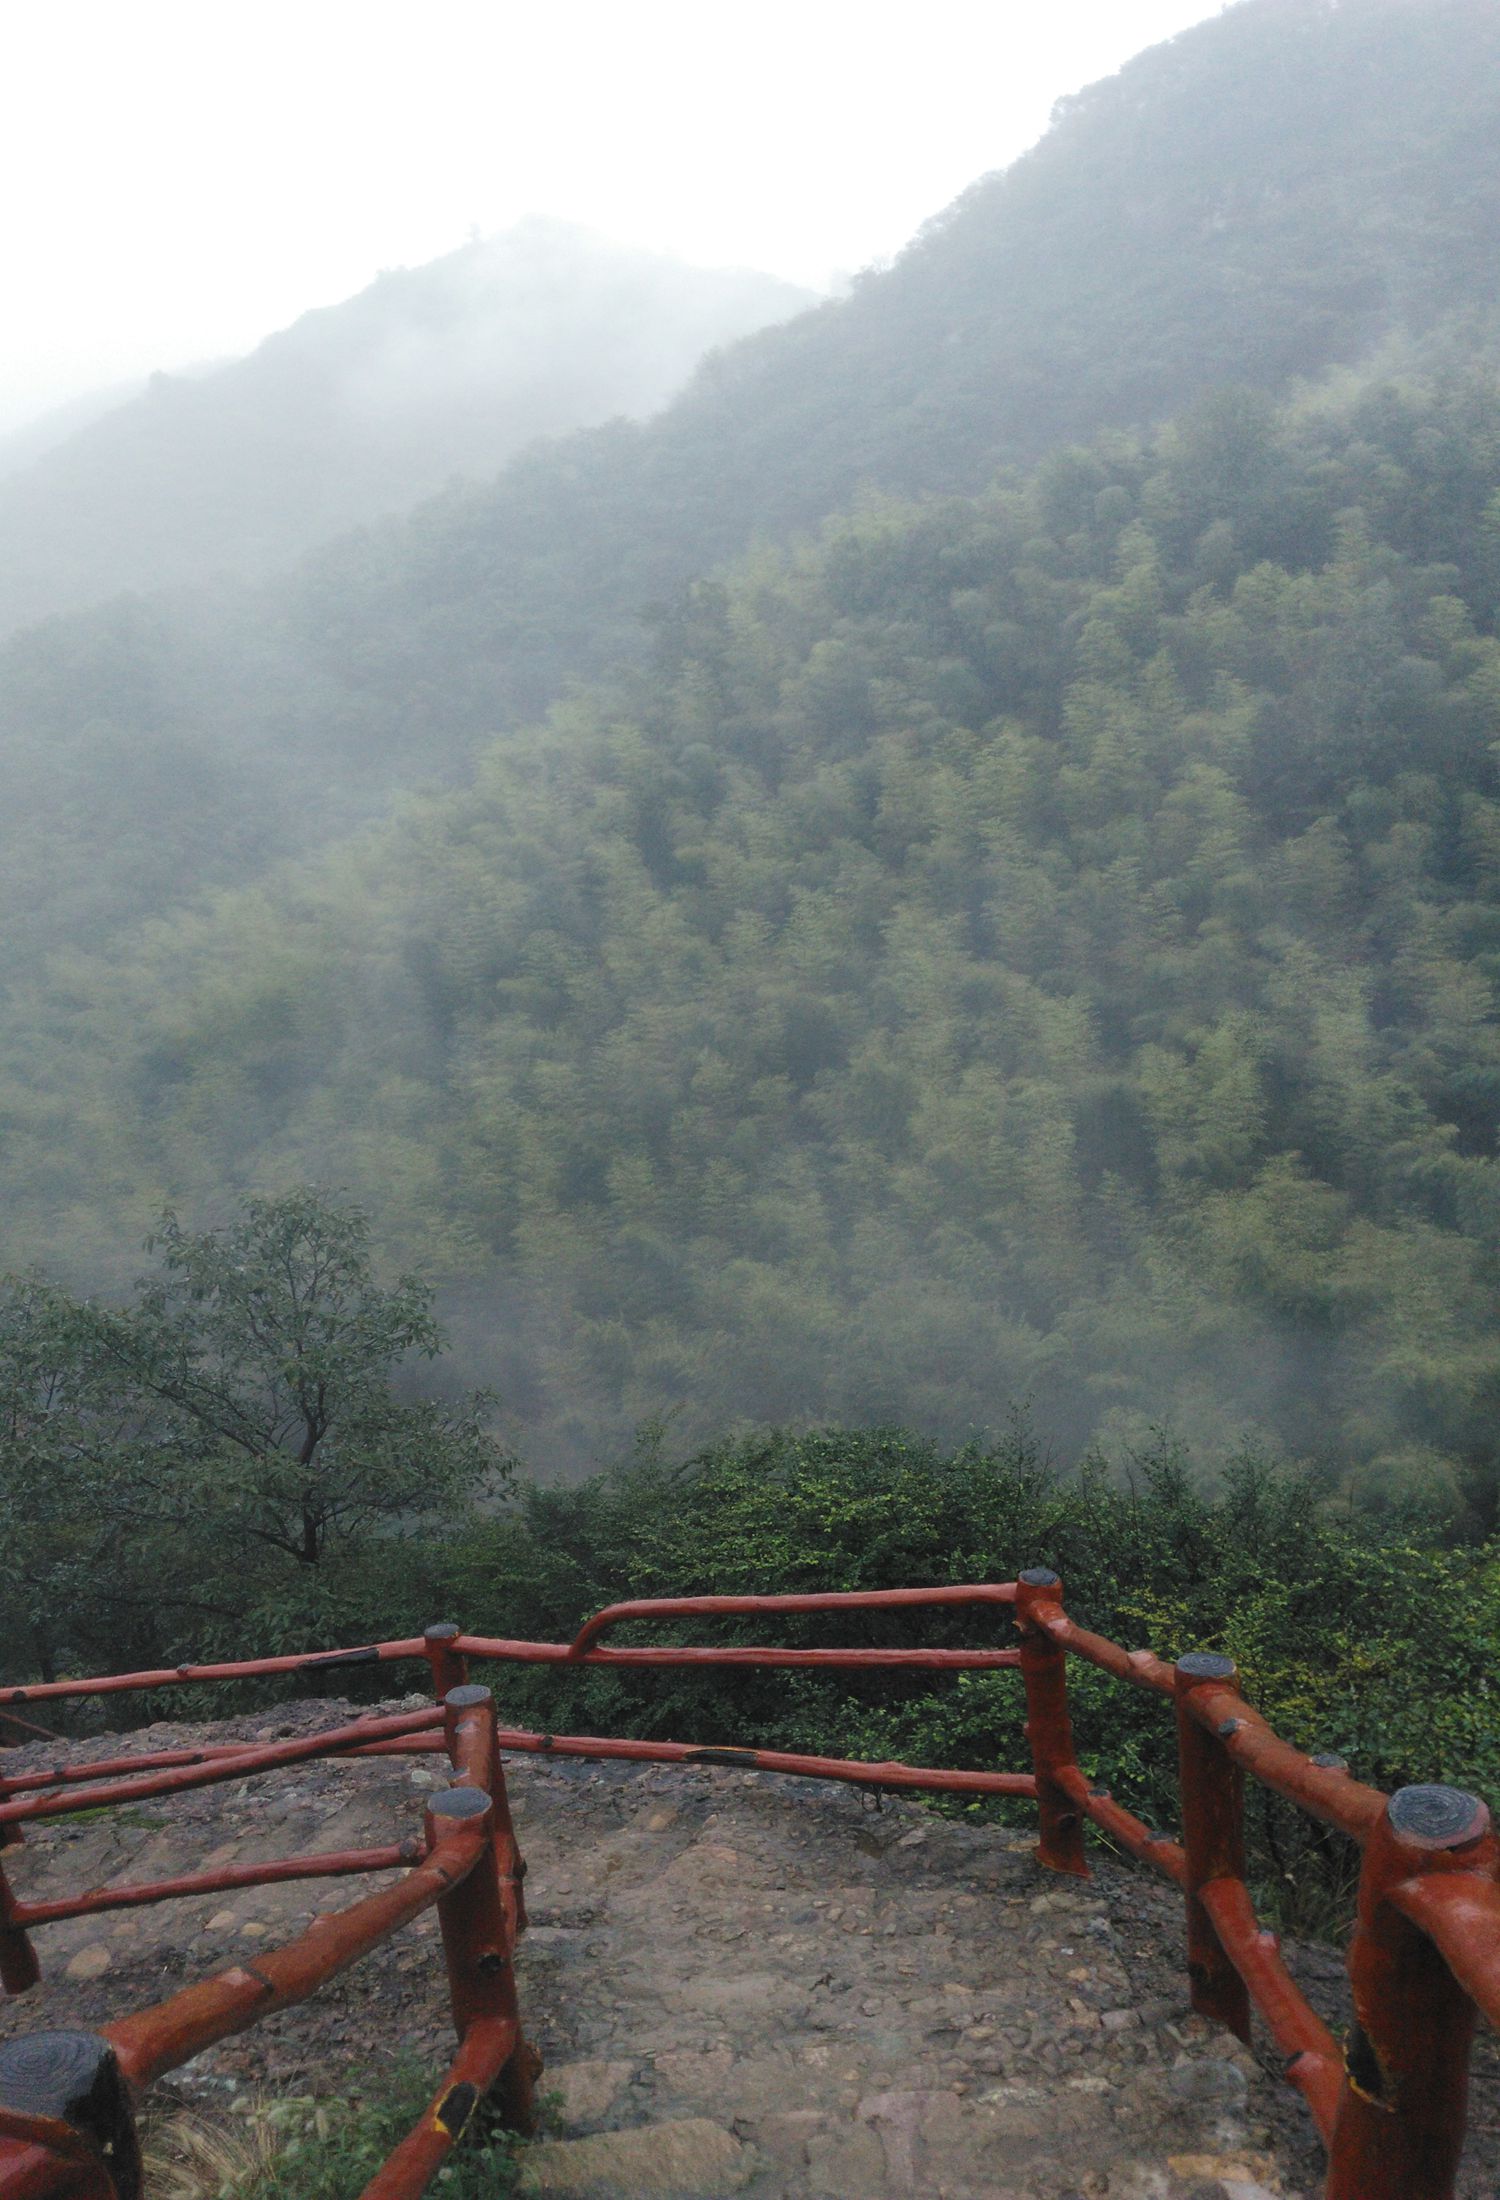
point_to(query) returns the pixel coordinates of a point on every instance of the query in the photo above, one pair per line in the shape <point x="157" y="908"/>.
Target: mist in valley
<point x="876" y="859"/>
<point x="358" y="410"/>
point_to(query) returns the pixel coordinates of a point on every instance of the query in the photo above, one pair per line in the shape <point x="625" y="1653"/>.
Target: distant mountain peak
<point x="362" y="408"/>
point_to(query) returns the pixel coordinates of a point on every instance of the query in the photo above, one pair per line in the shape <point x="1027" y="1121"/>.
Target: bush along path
<point x="740" y="1986"/>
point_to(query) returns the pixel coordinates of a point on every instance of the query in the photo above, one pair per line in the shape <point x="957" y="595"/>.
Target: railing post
<point x="1400" y="2125"/>
<point x="1213" y="1837"/>
<point x="1048" y="1728"/>
<point x="509" y="1861"/>
<point x="19" y="1969"/>
<point x="449" y="1670"/>
<point x="479" y="1943"/>
<point x="62" y="2092"/>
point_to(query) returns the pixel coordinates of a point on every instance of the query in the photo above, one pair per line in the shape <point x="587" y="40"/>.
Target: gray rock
<point x="1208" y="2079"/>
<point x="691" y="2157"/>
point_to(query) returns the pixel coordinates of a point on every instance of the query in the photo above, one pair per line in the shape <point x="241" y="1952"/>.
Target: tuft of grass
<point x="191" y="2157"/>
<point x="308" y="2149"/>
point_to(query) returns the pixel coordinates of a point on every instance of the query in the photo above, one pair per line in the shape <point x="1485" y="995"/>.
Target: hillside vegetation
<point x="1289" y="188"/>
<point x="1037" y="946"/>
<point x="156" y="1535"/>
<point x="1032" y="937"/>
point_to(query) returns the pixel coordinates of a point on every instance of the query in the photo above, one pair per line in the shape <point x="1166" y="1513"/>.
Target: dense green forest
<point x="1285" y="190"/>
<point x="1004" y="909"/>
<point x="1032" y="947"/>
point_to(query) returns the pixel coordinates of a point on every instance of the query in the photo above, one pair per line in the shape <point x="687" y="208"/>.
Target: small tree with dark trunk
<point x="207" y="1452"/>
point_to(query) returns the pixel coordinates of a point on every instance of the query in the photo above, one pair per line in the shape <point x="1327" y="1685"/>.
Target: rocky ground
<point x="740" y="1985"/>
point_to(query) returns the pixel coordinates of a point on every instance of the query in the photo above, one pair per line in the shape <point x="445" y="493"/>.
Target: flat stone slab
<point x="585" y="2092"/>
<point x="693" y="2157"/>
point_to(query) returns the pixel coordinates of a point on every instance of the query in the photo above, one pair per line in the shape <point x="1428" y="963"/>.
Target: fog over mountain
<point x="357" y="409"/>
<point x="1276" y="194"/>
<point x="956" y="861"/>
<point x="36" y="434"/>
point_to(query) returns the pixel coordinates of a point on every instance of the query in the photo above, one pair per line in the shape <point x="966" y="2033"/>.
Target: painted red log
<point x="423" y="1744"/>
<point x="214" y="1771"/>
<point x="57" y="1776"/>
<point x="1460" y="1914"/>
<point x="1048" y="1728"/>
<point x="30" y="1726"/>
<point x="19" y="1969"/>
<point x="21" y="1783"/>
<point x="852" y="1771"/>
<point x="1142" y="1668"/>
<point x="1313" y="2062"/>
<point x="1400" y="2125"/>
<point x="32" y="2172"/>
<point x="1212" y="1789"/>
<point x="469" y="1731"/>
<point x="334" y="1864"/>
<point x="748" y="1607"/>
<point x="416" y="2161"/>
<point x="448" y="1666"/>
<point x="471" y="1734"/>
<point x="67" y="2126"/>
<point x="1320" y="1786"/>
<point x="477" y="1919"/>
<point x="668" y="1655"/>
<point x="184" y="1676"/>
<point x="1133" y="1834"/>
<point x="175" y="2030"/>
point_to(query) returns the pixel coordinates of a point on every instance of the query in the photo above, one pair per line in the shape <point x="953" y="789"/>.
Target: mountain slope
<point x="22" y="445"/>
<point x="1288" y="188"/>
<point x="1044" y="946"/>
<point x="363" y="408"/>
<point x="1281" y="191"/>
<point x="1041" y="941"/>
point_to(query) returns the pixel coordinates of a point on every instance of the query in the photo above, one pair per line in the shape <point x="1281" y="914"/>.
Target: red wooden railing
<point x="1424" y="1959"/>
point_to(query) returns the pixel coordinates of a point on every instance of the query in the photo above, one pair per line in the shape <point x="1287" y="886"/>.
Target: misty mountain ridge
<point x="1038" y="937"/>
<point x="33" y="434"/>
<point x="359" y="409"/>
<point x="1224" y="209"/>
<point x="1286" y="190"/>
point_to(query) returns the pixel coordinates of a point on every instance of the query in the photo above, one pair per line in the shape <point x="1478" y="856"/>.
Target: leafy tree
<point x="271" y="1349"/>
<point x="56" y="1448"/>
<point x="206" y="1453"/>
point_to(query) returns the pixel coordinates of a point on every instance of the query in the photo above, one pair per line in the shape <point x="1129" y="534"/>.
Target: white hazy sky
<point x="180" y="177"/>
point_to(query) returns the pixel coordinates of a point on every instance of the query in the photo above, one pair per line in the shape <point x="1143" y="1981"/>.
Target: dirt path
<point x="740" y="1985"/>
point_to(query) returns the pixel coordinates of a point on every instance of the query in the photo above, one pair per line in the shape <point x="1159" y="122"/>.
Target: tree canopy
<point x="202" y="1462"/>
<point x="1032" y="935"/>
<point x="1039" y="946"/>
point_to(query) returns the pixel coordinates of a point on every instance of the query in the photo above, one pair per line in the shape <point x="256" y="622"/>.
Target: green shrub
<point x="1353" y="1633"/>
<point x="330" y="2149"/>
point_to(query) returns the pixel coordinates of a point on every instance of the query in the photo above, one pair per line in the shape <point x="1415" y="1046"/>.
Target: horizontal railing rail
<point x="1424" y="1961"/>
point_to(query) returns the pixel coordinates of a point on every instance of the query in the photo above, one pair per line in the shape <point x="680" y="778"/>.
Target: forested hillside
<point x="1034" y="946"/>
<point x="1284" y="189"/>
<point x="359" y="409"/>
<point x="1031" y="936"/>
<point x="1289" y="186"/>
